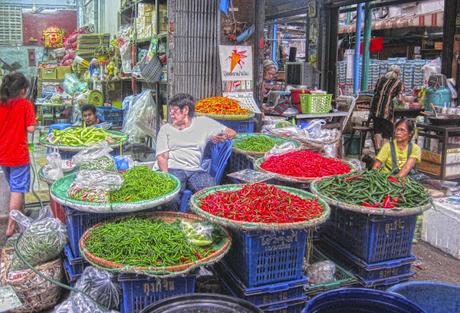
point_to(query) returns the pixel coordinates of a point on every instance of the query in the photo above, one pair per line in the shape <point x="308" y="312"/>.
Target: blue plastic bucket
<point x="433" y="297"/>
<point x="360" y="300"/>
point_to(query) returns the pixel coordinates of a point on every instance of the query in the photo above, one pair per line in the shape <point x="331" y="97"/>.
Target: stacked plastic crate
<point x="266" y="268"/>
<point x="407" y="77"/>
<point x="377" y="249"/>
<point x="418" y="73"/>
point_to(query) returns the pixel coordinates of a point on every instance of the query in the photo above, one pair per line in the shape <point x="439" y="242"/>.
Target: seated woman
<point x="400" y="155"/>
<point x="181" y="145"/>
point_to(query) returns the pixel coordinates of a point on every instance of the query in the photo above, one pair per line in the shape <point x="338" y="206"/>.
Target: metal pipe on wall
<point x="274" y="44"/>
<point x="359" y="19"/>
<point x="366" y="46"/>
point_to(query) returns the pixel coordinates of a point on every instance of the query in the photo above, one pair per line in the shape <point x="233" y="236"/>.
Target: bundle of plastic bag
<point x="94" y="185"/>
<point x="100" y="286"/>
<point x="42" y="240"/>
<point x="282" y="148"/>
<point x="53" y="168"/>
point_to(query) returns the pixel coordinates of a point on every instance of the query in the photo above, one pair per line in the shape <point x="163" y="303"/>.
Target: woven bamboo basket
<point x="296" y="143"/>
<point x="167" y="217"/>
<point x="366" y="210"/>
<point x="35" y="293"/>
<point x="292" y="179"/>
<point x="196" y="207"/>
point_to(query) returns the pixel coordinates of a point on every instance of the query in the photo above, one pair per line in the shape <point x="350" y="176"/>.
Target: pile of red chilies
<point x="261" y="203"/>
<point x="304" y="164"/>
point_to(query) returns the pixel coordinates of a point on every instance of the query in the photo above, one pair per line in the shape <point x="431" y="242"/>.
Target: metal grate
<point x="10" y="25"/>
<point x="194" y="53"/>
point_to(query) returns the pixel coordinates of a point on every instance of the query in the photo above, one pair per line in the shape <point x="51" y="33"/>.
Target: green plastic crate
<point x="343" y="277"/>
<point x="315" y="103"/>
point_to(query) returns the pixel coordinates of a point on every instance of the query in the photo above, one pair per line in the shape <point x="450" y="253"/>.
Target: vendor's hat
<point x="268" y="63"/>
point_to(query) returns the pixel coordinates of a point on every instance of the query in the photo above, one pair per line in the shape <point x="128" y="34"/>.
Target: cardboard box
<point x="453" y="156"/>
<point x="435" y="169"/>
<point x="48" y="73"/>
<point x="62" y="70"/>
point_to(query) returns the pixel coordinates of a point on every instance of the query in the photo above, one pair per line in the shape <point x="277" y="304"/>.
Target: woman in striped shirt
<point x="387" y="88"/>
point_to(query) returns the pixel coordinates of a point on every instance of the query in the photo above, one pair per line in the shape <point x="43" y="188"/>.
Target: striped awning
<point x="431" y="19"/>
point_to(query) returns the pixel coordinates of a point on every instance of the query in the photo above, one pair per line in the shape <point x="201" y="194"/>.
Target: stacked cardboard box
<point x="146" y="22"/>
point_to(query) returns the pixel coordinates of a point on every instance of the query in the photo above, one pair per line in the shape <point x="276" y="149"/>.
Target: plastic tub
<point x="209" y="303"/>
<point x="359" y="300"/>
<point x="433" y="297"/>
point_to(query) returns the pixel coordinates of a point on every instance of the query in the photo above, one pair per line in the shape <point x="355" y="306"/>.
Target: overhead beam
<point x="40" y="3"/>
<point x="377" y="5"/>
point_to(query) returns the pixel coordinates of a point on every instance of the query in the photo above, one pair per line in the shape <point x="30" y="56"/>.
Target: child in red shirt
<point x="17" y="117"/>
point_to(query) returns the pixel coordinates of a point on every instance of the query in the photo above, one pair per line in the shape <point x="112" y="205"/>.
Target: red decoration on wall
<point x="376" y="45"/>
<point x="33" y="24"/>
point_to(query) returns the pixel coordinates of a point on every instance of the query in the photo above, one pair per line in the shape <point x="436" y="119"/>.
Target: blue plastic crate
<point x="78" y="222"/>
<point x="77" y="264"/>
<point x="368" y="272"/>
<point x="111" y="115"/>
<point x="266" y="257"/>
<point x="263" y="295"/>
<point x="372" y="238"/>
<point x="244" y="126"/>
<point x="71" y="276"/>
<point x="140" y="291"/>
<point x="58" y="126"/>
<point x="238" y="162"/>
<point x="292" y="306"/>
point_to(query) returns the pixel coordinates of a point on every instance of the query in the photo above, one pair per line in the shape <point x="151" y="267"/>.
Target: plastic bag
<point x="53" y="168"/>
<point x="124" y="162"/>
<point x="95" y="157"/>
<point x="73" y="85"/>
<point x="107" y="181"/>
<point x="199" y="234"/>
<point x="280" y="149"/>
<point x="141" y="119"/>
<point x="321" y="272"/>
<point x="79" y="303"/>
<point x="42" y="240"/>
<point x="99" y="284"/>
<point x="313" y="128"/>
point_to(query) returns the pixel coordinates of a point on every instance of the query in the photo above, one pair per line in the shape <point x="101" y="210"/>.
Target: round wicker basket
<point x="366" y="210"/>
<point x="197" y="197"/>
<point x="167" y="217"/>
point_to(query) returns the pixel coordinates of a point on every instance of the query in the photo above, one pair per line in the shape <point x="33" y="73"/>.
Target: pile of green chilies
<point x="144" y="242"/>
<point x="141" y="183"/>
<point x="256" y="143"/>
<point x="374" y="189"/>
<point x="82" y="136"/>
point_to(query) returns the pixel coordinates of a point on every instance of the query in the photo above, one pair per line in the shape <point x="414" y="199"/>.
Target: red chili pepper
<point x="393" y="179"/>
<point x="395" y="200"/>
<point x="198" y="255"/>
<point x="367" y="204"/>
<point x="304" y="163"/>
<point x="377" y="205"/>
<point x="261" y="203"/>
<point x="387" y="201"/>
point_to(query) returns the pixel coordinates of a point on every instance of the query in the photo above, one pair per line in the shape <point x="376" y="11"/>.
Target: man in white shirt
<point x="181" y="144"/>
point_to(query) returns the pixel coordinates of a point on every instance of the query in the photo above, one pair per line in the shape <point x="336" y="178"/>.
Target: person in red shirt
<point x="17" y="117"/>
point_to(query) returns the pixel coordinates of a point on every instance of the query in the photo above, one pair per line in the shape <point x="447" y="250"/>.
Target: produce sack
<point x="42" y="240"/>
<point x="321" y="272"/>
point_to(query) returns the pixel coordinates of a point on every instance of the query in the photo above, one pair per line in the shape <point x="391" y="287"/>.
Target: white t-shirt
<point x="186" y="146"/>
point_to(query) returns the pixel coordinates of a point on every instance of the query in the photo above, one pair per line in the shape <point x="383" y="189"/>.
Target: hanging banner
<point x="236" y="63"/>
